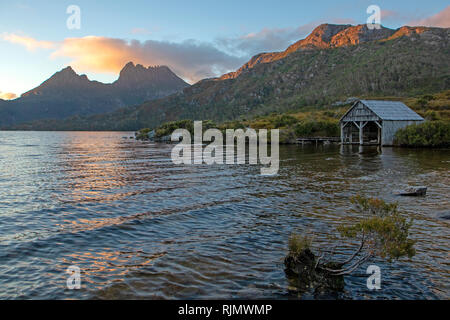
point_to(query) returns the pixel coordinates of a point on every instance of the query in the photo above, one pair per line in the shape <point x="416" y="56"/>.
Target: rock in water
<point x="413" y="192"/>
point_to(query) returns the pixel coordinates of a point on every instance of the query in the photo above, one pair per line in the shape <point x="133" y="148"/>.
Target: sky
<point x="197" y="39"/>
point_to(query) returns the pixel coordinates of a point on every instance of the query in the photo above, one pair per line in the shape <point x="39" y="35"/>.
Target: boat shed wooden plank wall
<point x="369" y="116"/>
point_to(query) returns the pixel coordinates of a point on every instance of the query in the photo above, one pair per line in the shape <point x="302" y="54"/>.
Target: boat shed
<point x="375" y="122"/>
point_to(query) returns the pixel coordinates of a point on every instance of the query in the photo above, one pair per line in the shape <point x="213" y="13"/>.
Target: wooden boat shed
<point x="375" y="122"/>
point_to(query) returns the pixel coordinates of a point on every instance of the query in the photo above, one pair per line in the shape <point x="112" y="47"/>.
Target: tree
<point x="382" y="232"/>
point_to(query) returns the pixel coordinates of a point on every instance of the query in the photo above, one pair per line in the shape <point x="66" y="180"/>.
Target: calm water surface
<point x="140" y="227"/>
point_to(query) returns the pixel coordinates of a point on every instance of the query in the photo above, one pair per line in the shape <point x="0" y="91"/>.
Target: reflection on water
<point x="140" y="227"/>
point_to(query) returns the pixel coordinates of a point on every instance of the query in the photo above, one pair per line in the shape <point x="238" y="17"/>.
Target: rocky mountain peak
<point x="67" y="70"/>
<point x="333" y="35"/>
<point x="354" y="35"/>
<point x="66" y="93"/>
<point x="65" y="74"/>
<point x="409" y="31"/>
<point x="321" y="36"/>
<point x="65" y="79"/>
<point x="327" y="36"/>
<point x="132" y="75"/>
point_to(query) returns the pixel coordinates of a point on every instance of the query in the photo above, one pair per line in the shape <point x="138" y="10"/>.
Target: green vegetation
<point x="314" y="79"/>
<point x="307" y="123"/>
<point x="164" y="131"/>
<point x="167" y="128"/>
<point x="303" y="82"/>
<point x="142" y="134"/>
<point x="298" y="243"/>
<point x="324" y="122"/>
<point x="326" y="128"/>
<point x="427" y="134"/>
<point x="302" y="124"/>
<point x="432" y="107"/>
<point x="435" y="132"/>
<point x="381" y="231"/>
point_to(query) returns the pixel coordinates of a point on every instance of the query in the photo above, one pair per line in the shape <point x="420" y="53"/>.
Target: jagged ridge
<point x="66" y="93"/>
<point x="329" y="36"/>
<point x="404" y="62"/>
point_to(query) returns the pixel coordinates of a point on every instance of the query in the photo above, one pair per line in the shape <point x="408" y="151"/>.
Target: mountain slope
<point x="323" y="37"/>
<point x="333" y="63"/>
<point x="67" y="93"/>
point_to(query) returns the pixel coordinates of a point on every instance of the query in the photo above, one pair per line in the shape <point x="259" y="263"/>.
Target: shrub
<point x="232" y="125"/>
<point x="142" y="134"/>
<point x="384" y="231"/>
<point x="287" y="136"/>
<point x="168" y="128"/>
<point x="327" y="128"/>
<point x="282" y="121"/>
<point x="380" y="231"/>
<point x="422" y="102"/>
<point x="431" y="115"/>
<point x="428" y="97"/>
<point x="427" y="134"/>
<point x="298" y="243"/>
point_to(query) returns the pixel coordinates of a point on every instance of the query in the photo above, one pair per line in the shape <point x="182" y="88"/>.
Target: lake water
<point x="139" y="226"/>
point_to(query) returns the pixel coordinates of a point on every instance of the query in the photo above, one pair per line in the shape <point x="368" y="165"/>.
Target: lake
<point x="140" y="227"/>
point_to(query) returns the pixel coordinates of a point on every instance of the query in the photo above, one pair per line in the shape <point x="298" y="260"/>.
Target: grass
<point x="298" y="243"/>
<point x="314" y="121"/>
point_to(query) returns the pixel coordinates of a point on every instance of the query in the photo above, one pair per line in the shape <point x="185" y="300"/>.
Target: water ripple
<point x="140" y="227"/>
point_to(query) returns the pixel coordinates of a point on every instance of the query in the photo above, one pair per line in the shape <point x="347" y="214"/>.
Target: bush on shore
<point x="320" y="128"/>
<point x="427" y="134"/>
<point x="142" y="134"/>
<point x="168" y="128"/>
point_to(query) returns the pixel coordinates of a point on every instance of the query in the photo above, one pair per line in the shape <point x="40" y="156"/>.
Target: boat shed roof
<point x="388" y="110"/>
<point x="391" y="110"/>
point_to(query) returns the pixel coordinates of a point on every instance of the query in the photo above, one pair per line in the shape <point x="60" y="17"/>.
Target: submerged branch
<point x="363" y="240"/>
<point x="355" y="266"/>
<point x="348" y="270"/>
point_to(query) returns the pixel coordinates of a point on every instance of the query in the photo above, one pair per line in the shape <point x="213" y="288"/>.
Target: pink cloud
<point x="441" y="19"/>
<point x="7" y="95"/>
<point x="28" y="42"/>
<point x="389" y="14"/>
<point x="190" y="59"/>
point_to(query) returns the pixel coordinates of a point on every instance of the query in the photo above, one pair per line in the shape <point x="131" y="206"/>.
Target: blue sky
<point x="195" y="38"/>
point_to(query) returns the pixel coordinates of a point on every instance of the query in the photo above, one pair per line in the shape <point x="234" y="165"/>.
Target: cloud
<point x="28" y="42"/>
<point x="7" y="95"/>
<point x="343" y="21"/>
<point x="140" y="31"/>
<point x="264" y="40"/>
<point x="395" y="17"/>
<point x="389" y="14"/>
<point x="268" y="40"/>
<point x="441" y="19"/>
<point x="189" y="59"/>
